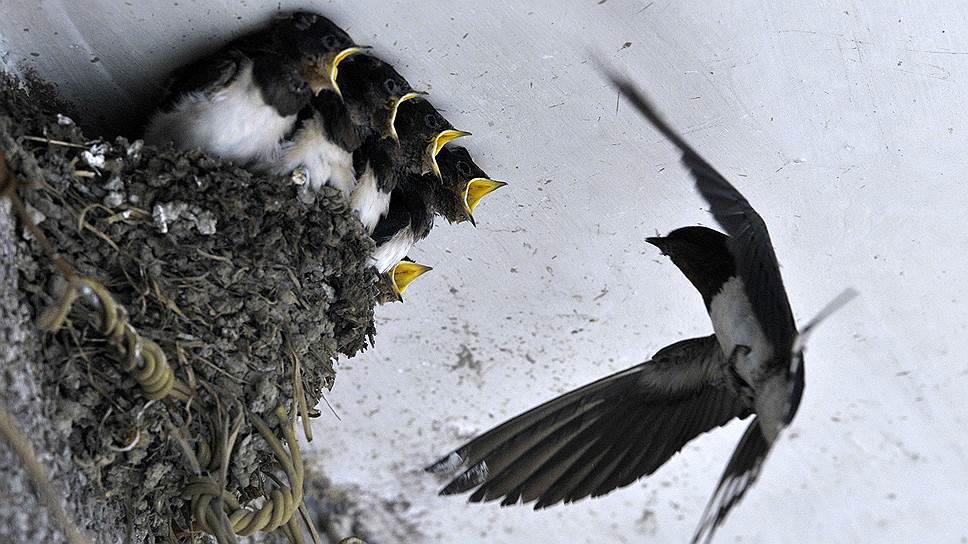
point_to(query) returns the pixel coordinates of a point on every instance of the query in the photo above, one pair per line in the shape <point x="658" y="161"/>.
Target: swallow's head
<point x="702" y="254"/>
<point x="373" y="92"/>
<point x="691" y="243"/>
<point x="423" y="132"/>
<point x="321" y="46"/>
<point x="463" y="184"/>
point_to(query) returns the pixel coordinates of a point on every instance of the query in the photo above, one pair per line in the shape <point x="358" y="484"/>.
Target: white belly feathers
<point x="734" y="324"/>
<point x="234" y="123"/>
<point x="368" y="200"/>
<point x="323" y="162"/>
<point x="393" y="251"/>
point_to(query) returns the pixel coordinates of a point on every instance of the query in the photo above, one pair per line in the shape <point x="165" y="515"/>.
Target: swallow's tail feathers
<point x="743" y="469"/>
<point x="837" y="303"/>
<point x="601" y="436"/>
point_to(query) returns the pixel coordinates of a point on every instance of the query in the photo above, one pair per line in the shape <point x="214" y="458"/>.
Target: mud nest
<point x="237" y="277"/>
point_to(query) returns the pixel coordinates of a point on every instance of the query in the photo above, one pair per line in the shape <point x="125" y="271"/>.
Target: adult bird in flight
<point x="618" y="429"/>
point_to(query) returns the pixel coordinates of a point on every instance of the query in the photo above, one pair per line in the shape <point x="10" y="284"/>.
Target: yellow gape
<point x="477" y="189"/>
<point x="437" y="144"/>
<point x="403" y="274"/>
<point x="391" y="131"/>
<point x="333" y="67"/>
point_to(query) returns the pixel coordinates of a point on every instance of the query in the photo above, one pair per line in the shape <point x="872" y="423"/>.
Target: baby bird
<point x="409" y="218"/>
<point x="241" y="101"/>
<point x="463" y="184"/>
<point x="382" y="164"/>
<point x="393" y="283"/>
<point x="338" y="121"/>
<point x="414" y="204"/>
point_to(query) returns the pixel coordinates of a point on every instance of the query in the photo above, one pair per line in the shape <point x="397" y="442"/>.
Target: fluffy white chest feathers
<point x="393" y="251"/>
<point x="735" y="324"/>
<point x="324" y="162"/>
<point x="234" y="123"/>
<point x="369" y="201"/>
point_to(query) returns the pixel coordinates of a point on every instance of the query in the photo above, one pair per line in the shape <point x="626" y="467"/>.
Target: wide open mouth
<point x="476" y="190"/>
<point x="391" y="128"/>
<point x="403" y="274"/>
<point x="442" y="139"/>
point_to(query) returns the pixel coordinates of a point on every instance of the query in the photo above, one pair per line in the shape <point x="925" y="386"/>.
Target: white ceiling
<point x="843" y="123"/>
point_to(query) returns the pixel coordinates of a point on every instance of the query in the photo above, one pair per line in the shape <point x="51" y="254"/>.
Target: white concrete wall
<point x="841" y="120"/>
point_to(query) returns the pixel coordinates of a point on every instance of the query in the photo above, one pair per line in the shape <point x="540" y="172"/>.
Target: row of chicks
<point x="299" y="98"/>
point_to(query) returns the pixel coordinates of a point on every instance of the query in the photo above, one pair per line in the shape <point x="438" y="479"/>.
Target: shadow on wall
<point x="111" y="60"/>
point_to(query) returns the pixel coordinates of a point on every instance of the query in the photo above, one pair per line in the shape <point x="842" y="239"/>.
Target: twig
<point x="54" y="142"/>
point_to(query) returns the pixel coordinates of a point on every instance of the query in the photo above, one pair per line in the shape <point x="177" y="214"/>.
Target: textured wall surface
<point x="842" y="121"/>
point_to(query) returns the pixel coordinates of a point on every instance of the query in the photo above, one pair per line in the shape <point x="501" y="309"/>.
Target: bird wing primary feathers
<point x="749" y="238"/>
<point x="602" y="436"/>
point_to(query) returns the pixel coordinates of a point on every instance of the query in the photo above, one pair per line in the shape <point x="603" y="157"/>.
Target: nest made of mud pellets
<point x="229" y="272"/>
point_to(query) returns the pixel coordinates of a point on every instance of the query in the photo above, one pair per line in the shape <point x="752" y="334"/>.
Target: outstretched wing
<point x="749" y="238"/>
<point x="601" y="436"/>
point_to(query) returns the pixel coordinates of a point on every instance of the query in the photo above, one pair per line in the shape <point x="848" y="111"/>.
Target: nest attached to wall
<point x="250" y="291"/>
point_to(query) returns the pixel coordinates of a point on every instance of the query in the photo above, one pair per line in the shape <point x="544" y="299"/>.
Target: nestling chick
<point x="336" y="124"/>
<point x="241" y="101"/>
<point x="382" y="164"/>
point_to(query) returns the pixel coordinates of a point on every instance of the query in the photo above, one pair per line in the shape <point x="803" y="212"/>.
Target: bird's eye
<point x="431" y="121"/>
<point x="331" y="42"/>
<point x="464" y="168"/>
<point x="391" y="86"/>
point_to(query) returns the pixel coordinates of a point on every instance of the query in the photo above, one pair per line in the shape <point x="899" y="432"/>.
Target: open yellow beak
<point x="392" y="129"/>
<point x="403" y="274"/>
<point x="334" y="65"/>
<point x="439" y="142"/>
<point x="477" y="189"/>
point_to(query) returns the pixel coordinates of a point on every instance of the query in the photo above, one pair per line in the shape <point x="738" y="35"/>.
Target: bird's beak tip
<point x="658" y="242"/>
<point x="404" y="273"/>
<point x="448" y="136"/>
<point x="476" y="190"/>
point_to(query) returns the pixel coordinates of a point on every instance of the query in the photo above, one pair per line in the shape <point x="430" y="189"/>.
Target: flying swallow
<point x="618" y="429"/>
